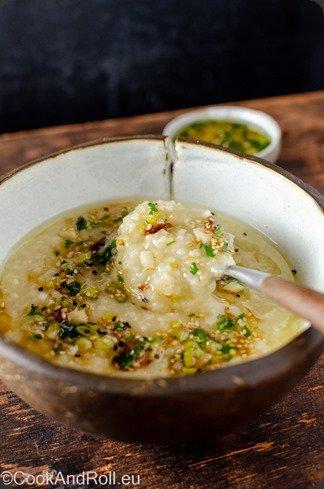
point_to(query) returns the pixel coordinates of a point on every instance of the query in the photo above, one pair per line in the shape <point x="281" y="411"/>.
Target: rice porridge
<point x="138" y="290"/>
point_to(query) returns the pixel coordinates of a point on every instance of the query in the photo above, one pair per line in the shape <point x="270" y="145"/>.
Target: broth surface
<point x="137" y="289"/>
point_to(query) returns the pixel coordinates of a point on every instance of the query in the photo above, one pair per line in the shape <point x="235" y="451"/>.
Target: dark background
<point x="64" y="61"/>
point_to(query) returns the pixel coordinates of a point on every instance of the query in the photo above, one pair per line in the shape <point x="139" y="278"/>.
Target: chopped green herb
<point x="97" y="223"/>
<point x="218" y="230"/>
<point x="35" y="313"/>
<point x="209" y="250"/>
<point x="189" y="358"/>
<point x="68" y="330"/>
<point x="120" y="278"/>
<point x="91" y="291"/>
<point x="66" y="301"/>
<point x="81" y="223"/>
<point x="246" y="331"/>
<point x="73" y="287"/>
<point x="171" y="242"/>
<point x="32" y="311"/>
<point x="130" y="353"/>
<point x="84" y="258"/>
<point x="193" y="268"/>
<point x="224" y="323"/>
<point x="226" y="349"/>
<point x="117" y="290"/>
<point x="119" y="326"/>
<point x="56" y="253"/>
<point x="201" y="336"/>
<point x="191" y="352"/>
<point x="107" y="254"/>
<point x="153" y="207"/>
<point x="83" y="329"/>
<point x="68" y="243"/>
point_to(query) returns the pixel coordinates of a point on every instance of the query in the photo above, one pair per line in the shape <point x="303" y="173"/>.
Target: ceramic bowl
<point x="171" y="409"/>
<point x="255" y="118"/>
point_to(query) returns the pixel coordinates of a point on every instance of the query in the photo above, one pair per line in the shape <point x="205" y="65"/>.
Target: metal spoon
<point x="299" y="299"/>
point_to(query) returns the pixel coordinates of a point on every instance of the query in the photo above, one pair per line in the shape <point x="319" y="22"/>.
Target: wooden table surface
<point x="280" y="449"/>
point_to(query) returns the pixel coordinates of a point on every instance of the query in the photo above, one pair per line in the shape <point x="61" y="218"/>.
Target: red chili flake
<point x="58" y="315"/>
<point x="144" y="359"/>
<point x="143" y="286"/>
<point x="157" y="227"/>
<point x="131" y="345"/>
<point x="98" y="244"/>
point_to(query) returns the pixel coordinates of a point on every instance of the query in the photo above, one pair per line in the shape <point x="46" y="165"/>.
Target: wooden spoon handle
<point x="303" y="301"/>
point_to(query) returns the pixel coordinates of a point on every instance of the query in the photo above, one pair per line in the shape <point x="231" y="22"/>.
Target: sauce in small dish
<point x="236" y="128"/>
<point x="236" y="136"/>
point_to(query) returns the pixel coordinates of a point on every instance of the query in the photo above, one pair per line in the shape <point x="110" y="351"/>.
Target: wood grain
<point x="301" y="118"/>
<point x="282" y="448"/>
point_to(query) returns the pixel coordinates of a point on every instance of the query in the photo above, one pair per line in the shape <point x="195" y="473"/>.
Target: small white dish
<point x="255" y="118"/>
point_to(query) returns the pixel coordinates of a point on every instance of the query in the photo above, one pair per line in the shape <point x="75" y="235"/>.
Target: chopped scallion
<point x="81" y="223"/>
<point x="193" y="268"/>
<point x="209" y="250"/>
<point x="153" y="207"/>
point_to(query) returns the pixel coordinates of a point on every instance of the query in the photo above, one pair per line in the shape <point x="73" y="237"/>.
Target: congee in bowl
<point x="137" y="289"/>
<point x="116" y="316"/>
